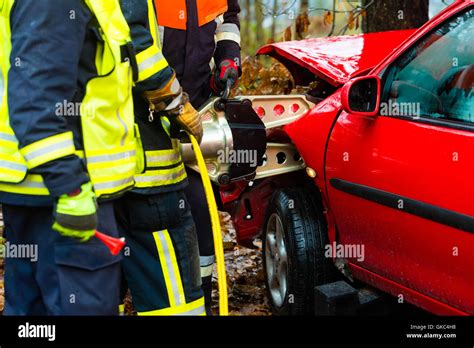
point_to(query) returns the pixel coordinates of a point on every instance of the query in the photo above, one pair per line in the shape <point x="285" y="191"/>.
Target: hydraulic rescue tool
<point x="242" y="140"/>
<point x="235" y="147"/>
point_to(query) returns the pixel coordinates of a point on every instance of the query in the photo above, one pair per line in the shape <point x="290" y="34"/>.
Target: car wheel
<point x="295" y="236"/>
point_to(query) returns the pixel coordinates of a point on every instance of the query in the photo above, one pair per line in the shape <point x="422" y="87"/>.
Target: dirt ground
<point x="244" y="276"/>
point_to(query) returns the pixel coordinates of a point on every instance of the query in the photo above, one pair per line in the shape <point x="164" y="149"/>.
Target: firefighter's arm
<point x="46" y="45"/>
<point x="227" y="56"/>
<point x="157" y="80"/>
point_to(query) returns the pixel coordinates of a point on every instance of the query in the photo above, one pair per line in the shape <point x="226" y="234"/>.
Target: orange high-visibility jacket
<point x="173" y="13"/>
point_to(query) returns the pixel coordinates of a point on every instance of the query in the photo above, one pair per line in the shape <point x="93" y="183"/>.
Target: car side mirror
<point x="361" y="96"/>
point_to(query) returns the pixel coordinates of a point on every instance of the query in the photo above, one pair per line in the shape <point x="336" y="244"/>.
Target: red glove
<point x="227" y="71"/>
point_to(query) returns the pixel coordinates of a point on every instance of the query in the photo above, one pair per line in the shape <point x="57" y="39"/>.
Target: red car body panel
<point x="416" y="298"/>
<point x="310" y="136"/>
<point x="338" y="58"/>
<point x="416" y="252"/>
<point x="405" y="254"/>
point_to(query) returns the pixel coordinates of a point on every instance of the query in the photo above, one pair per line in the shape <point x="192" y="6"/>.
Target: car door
<point x="401" y="184"/>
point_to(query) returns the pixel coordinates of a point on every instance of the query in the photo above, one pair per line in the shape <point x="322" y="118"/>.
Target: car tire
<point x="294" y="240"/>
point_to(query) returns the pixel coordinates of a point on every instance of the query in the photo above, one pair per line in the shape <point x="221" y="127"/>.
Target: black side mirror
<point x="362" y="96"/>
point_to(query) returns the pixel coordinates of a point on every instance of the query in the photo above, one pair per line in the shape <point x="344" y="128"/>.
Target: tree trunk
<point x="248" y="24"/>
<point x="304" y="6"/>
<point x="385" y="15"/>
<point x="259" y="22"/>
<point x="274" y="19"/>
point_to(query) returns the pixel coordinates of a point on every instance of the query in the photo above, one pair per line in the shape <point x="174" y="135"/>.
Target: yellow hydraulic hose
<point x="216" y="228"/>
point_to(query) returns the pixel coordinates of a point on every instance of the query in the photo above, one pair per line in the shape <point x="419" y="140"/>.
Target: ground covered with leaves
<point x="245" y="276"/>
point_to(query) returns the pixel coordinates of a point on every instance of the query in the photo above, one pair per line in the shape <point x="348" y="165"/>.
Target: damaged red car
<point x="367" y="178"/>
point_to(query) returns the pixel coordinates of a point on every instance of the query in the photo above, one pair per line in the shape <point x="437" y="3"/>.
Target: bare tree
<point x="304" y="6"/>
<point x="259" y="22"/>
<point x="274" y="19"/>
<point x="248" y="23"/>
<point x="385" y="15"/>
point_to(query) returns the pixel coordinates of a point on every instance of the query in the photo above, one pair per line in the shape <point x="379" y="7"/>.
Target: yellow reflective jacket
<point x="165" y="170"/>
<point x="111" y="144"/>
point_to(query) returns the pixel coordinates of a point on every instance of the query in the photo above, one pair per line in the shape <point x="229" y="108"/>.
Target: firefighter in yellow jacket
<point x="161" y="261"/>
<point x="67" y="138"/>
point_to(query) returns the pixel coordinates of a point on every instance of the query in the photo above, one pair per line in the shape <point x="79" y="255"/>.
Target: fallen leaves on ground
<point x="245" y="276"/>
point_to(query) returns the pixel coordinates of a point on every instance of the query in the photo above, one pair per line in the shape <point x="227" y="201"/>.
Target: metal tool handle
<point x="222" y="101"/>
<point x="228" y="88"/>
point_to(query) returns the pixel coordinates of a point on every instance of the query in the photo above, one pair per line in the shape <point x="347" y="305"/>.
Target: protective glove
<point x="227" y="71"/>
<point x="175" y="103"/>
<point x="76" y="214"/>
<point x="187" y="118"/>
<point x="169" y="96"/>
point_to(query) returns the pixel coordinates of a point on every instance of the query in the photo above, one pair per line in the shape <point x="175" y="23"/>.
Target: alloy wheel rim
<point x="276" y="260"/>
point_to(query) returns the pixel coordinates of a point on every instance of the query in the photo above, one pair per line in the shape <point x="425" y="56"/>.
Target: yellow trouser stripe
<point x="48" y="149"/>
<point x="169" y="264"/>
<point x="196" y="308"/>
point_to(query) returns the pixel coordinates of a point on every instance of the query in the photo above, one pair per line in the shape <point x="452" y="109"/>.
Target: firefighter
<point x="195" y="36"/>
<point x="162" y="264"/>
<point x="66" y="139"/>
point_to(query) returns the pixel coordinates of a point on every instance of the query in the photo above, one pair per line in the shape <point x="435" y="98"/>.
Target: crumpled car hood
<point x="337" y="59"/>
